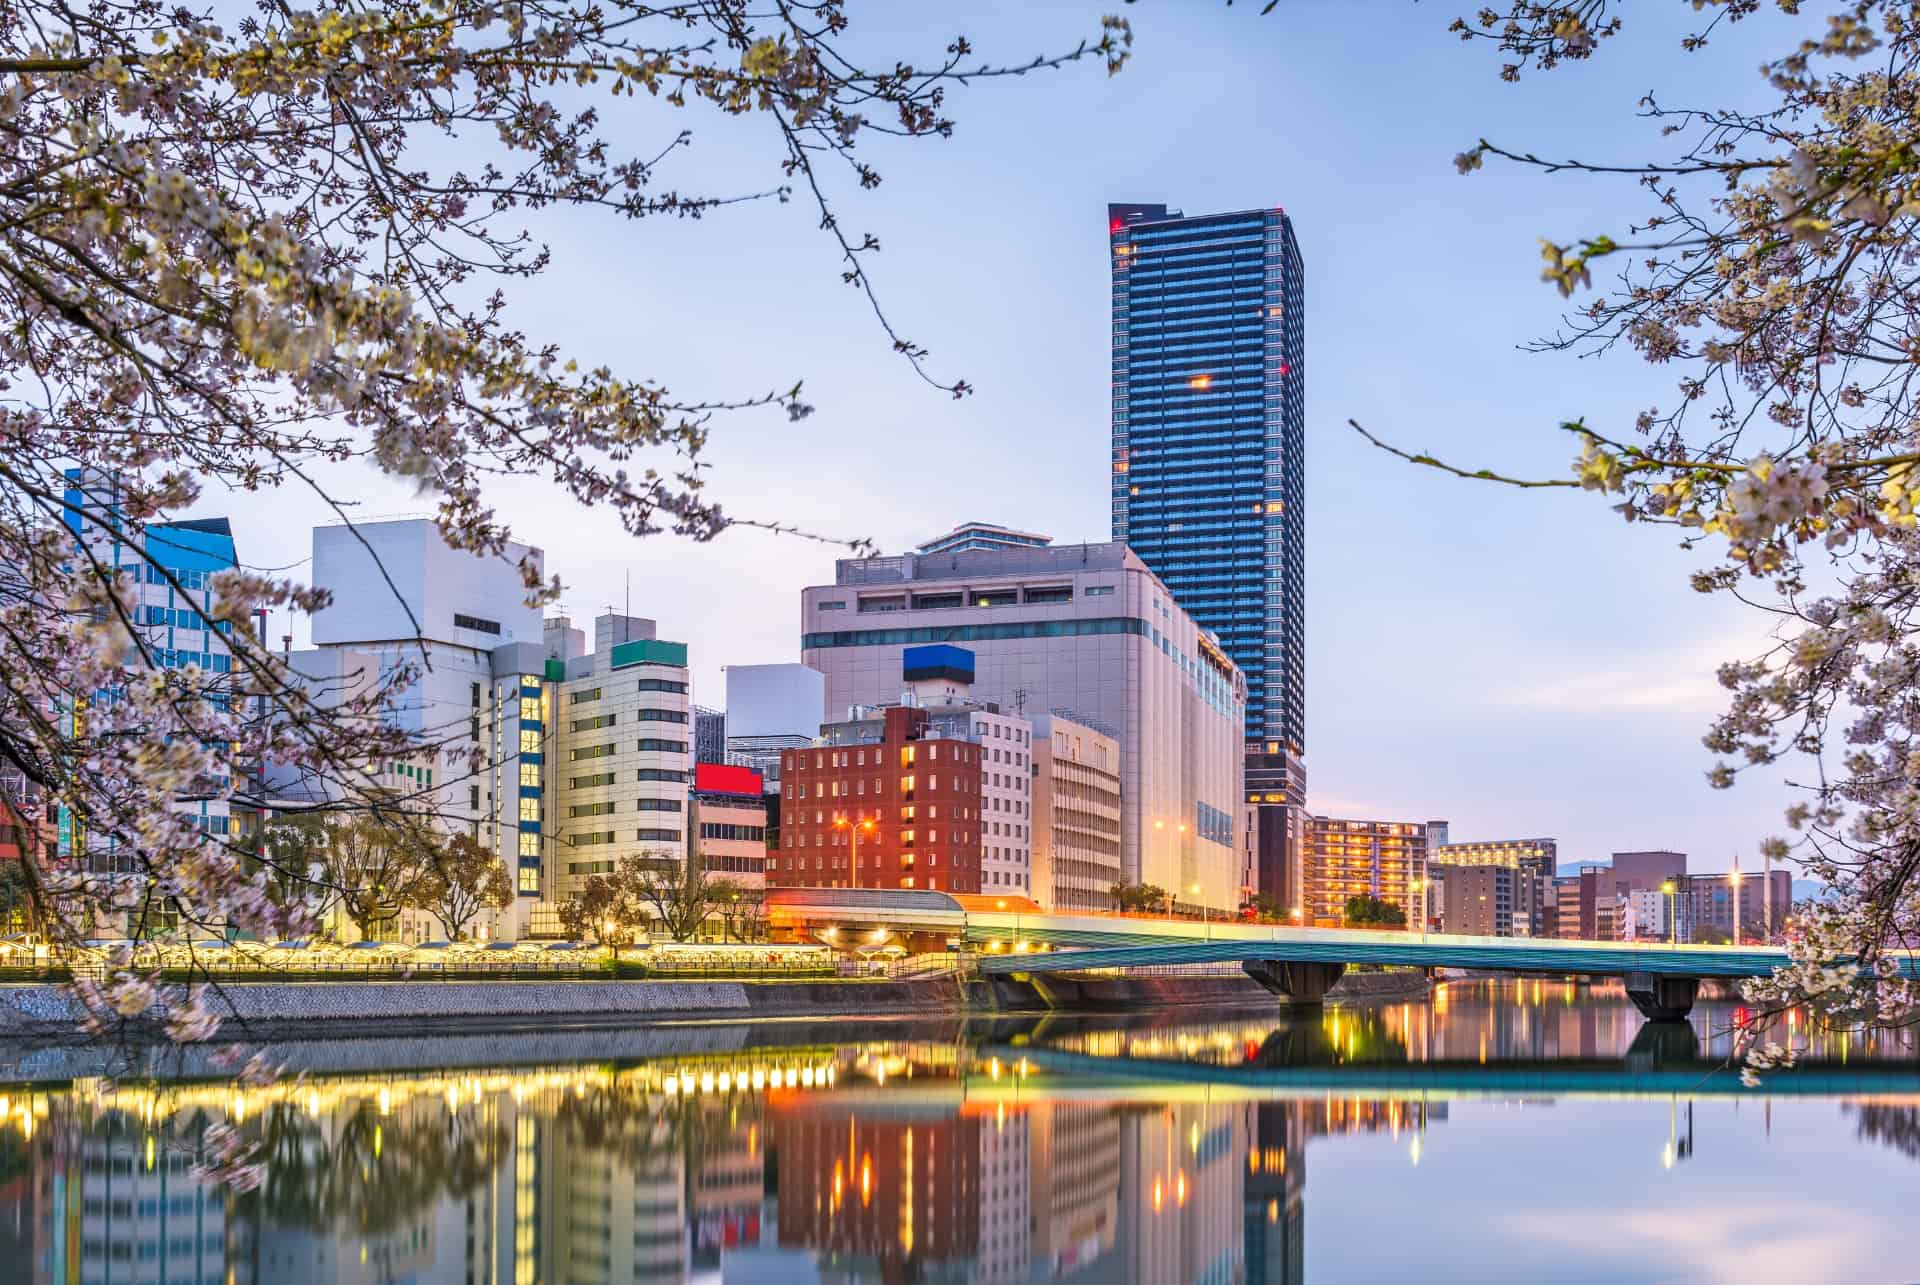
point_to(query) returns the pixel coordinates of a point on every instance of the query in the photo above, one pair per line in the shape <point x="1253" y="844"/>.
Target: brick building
<point x="912" y="798"/>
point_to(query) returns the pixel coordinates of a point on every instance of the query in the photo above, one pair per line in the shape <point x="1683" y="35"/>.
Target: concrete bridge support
<point x="1297" y="984"/>
<point x="1661" y="998"/>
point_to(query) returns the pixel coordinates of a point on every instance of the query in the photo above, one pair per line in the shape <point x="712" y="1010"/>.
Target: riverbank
<point x="277" y="1009"/>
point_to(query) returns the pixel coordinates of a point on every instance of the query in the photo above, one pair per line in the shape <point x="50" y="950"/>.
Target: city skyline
<point x="1531" y="694"/>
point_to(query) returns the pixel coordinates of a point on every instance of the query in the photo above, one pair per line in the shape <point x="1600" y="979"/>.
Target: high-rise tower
<point x="1209" y="469"/>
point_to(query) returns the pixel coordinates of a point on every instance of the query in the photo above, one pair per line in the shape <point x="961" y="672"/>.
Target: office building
<point x="772" y="708"/>
<point x="401" y="597"/>
<point x="1488" y="900"/>
<point x="728" y="822"/>
<point x="1081" y="628"/>
<point x="1209" y="466"/>
<point x="983" y="535"/>
<point x="618" y="759"/>
<point x="1709" y="904"/>
<point x="1076" y="814"/>
<point x="169" y="584"/>
<point x="709" y="735"/>
<point x="1386" y="860"/>
<point x="1533" y="863"/>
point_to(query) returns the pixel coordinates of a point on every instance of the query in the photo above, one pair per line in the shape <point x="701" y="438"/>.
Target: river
<point x="1496" y="1132"/>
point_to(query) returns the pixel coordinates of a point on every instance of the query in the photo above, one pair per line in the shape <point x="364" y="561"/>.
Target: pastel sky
<point x="1520" y="663"/>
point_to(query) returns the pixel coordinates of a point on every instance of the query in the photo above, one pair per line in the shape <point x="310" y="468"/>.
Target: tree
<point x="610" y="908"/>
<point x="293" y="856"/>
<point x="1366" y="911"/>
<point x="461" y="879"/>
<point x="231" y="257"/>
<point x="680" y="893"/>
<point x="1139" y="896"/>
<point x="1267" y="909"/>
<point x="374" y="867"/>
<point x="742" y="910"/>
<point x="1773" y="273"/>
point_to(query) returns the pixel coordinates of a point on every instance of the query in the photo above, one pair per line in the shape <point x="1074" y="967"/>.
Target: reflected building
<point x="886" y="1195"/>
<point x="1274" y="1219"/>
<point x="1180" y="1194"/>
<point x="1076" y="1185"/>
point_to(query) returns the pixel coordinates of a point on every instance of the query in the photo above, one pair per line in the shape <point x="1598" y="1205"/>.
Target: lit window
<point x="529" y="879"/>
<point x="529" y="844"/>
<point x="530" y="774"/>
<point x="529" y="809"/>
<point x="529" y="741"/>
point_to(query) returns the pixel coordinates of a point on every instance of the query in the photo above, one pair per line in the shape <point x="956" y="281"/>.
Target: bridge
<point x="1299" y="965"/>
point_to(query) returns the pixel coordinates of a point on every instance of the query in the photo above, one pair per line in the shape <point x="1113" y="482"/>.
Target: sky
<point x="1520" y="663"/>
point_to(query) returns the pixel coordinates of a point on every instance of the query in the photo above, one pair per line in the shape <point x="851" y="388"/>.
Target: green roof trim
<point x="648" y="651"/>
<point x="556" y="671"/>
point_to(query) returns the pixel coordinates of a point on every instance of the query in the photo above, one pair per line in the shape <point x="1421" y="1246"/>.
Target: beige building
<point x="1076" y="814"/>
<point x="729" y="823"/>
<point x="1344" y="859"/>
<point x="618" y="755"/>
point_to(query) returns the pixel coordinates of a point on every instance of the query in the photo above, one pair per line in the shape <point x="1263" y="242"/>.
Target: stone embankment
<point x="367" y="1008"/>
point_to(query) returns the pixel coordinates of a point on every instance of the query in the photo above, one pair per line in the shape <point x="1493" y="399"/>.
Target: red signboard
<point x="722" y="778"/>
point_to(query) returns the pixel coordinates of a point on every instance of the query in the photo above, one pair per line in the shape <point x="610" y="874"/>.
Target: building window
<point x="1099" y="590"/>
<point x="658" y="774"/>
<point x="662" y="685"/>
<point x="837" y="604"/>
<point x="529" y="740"/>
<point x="593" y="751"/>
<point x="577" y="698"/>
<point x="594" y="723"/>
<point x="530" y="774"/>
<point x="529" y="709"/>
<point x="588" y="809"/>
<point x="529" y="844"/>
<point x="475" y="622"/>
<point x="657" y="836"/>
<point x="658" y="805"/>
<point x="662" y="747"/>
<point x="529" y="809"/>
<point x="660" y="716"/>
<point x="590" y="782"/>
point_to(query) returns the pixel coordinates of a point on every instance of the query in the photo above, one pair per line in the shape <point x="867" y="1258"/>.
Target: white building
<point x="404" y="598"/>
<point x="1080" y="627"/>
<point x="772" y="708"/>
<point x="620" y="755"/>
<point x="1076" y="814"/>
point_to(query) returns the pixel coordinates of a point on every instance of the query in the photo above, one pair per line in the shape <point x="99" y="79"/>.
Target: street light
<point x="1673" y="913"/>
<point x="1195" y="890"/>
<point x="1733" y="885"/>
<point x="855" y="827"/>
<point x="1419" y="886"/>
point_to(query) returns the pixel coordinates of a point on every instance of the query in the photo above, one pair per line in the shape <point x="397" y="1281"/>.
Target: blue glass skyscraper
<point x="1209" y="444"/>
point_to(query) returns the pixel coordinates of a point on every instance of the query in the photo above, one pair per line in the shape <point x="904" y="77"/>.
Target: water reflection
<point x="1057" y="1151"/>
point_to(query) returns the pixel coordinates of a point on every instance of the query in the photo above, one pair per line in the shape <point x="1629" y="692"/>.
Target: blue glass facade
<point x="1209" y="437"/>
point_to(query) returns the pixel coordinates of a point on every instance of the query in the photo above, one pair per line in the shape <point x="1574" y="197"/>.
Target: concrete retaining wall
<point x="371" y="1007"/>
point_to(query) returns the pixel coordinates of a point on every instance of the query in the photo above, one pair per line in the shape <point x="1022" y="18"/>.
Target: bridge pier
<point x="1661" y="998"/>
<point x="1297" y="984"/>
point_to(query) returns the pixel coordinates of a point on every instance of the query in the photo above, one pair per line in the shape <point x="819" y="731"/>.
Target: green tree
<point x="1139" y="896"/>
<point x="1366" y="911"/>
